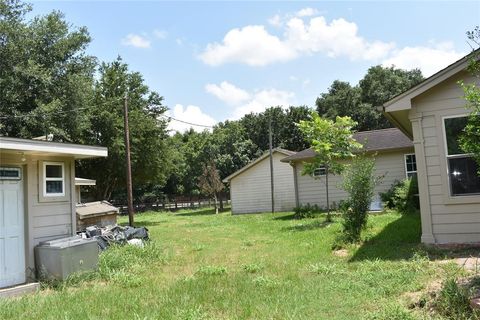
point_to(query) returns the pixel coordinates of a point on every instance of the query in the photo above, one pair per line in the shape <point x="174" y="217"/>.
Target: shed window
<point x="319" y="172"/>
<point x="410" y="165"/>
<point x="53" y="179"/>
<point x="461" y="167"/>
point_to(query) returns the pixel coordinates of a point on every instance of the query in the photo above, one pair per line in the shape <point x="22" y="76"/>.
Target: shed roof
<point x="29" y="146"/>
<point x="84" y="182"/>
<point x="374" y="140"/>
<point x="254" y="162"/>
<point x="94" y="209"/>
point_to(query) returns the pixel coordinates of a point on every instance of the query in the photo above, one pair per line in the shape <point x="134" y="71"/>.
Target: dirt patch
<point x="341" y="253"/>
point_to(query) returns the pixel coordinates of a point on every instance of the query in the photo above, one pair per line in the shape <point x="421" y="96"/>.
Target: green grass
<point x="265" y="266"/>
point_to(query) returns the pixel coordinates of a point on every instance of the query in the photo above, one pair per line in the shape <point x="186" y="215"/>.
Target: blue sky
<point x="219" y="60"/>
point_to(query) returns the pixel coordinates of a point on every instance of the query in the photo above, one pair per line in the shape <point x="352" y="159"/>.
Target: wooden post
<point x="129" y="168"/>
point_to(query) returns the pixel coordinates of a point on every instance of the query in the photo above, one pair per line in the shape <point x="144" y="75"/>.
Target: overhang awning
<point x="84" y="182"/>
<point x="38" y="147"/>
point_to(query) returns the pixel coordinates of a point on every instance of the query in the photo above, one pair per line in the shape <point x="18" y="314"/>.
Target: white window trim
<point x="447" y="156"/>
<point x="45" y="179"/>
<point x="405" y="163"/>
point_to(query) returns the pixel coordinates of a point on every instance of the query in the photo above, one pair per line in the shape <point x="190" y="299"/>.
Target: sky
<point x="214" y="61"/>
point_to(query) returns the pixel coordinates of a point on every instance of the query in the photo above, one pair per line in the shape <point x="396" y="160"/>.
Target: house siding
<point x="43" y="220"/>
<point x="250" y="190"/>
<point x="445" y="219"/>
<point x="390" y="165"/>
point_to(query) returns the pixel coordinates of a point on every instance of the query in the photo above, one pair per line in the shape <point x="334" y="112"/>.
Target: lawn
<point x="264" y="266"/>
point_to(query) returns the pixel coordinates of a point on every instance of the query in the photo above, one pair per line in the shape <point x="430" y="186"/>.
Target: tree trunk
<point x="221" y="202"/>
<point x="215" y="203"/>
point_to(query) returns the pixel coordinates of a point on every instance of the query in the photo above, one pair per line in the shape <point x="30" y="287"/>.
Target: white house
<point x="37" y="200"/>
<point x="433" y="114"/>
<point x="250" y="187"/>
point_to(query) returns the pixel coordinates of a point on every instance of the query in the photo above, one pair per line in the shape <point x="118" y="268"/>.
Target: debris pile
<point x="106" y="236"/>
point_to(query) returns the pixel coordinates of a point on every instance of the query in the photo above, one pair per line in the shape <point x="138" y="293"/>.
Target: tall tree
<point x="360" y="102"/>
<point x="209" y="182"/>
<point x="45" y="75"/>
<point x="149" y="153"/>
<point x="332" y="142"/>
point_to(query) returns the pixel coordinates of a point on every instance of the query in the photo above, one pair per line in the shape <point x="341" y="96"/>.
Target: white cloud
<point x="337" y="38"/>
<point x="190" y="113"/>
<point x="160" y="34"/>
<point x="262" y="100"/>
<point x="276" y="21"/>
<point x="252" y="45"/>
<point x="228" y="93"/>
<point x="429" y="59"/>
<point x="245" y="102"/>
<point x="135" y="40"/>
<point x="305" y="35"/>
<point x="307" y="12"/>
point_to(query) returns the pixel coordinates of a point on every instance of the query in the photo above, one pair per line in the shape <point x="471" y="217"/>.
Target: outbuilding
<point x="250" y="187"/>
<point x="394" y="161"/>
<point x="37" y="200"/>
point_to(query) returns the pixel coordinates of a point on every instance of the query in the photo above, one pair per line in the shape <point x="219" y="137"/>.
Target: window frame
<point x="45" y="179"/>
<point x="405" y="164"/>
<point x="319" y="175"/>
<point x="455" y="156"/>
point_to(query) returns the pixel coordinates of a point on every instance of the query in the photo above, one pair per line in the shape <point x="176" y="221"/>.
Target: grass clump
<point x="453" y="301"/>
<point x="390" y="312"/>
<point x="212" y="270"/>
<point x="252" y="267"/>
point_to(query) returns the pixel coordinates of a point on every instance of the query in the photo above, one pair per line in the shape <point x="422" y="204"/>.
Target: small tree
<point x="332" y="142"/>
<point x="359" y="182"/>
<point x="470" y="139"/>
<point x="209" y="182"/>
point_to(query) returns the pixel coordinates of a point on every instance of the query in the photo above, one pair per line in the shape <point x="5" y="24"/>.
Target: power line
<point x="186" y="122"/>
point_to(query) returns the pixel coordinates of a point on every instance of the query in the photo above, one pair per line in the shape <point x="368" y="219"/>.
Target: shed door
<point x="12" y="243"/>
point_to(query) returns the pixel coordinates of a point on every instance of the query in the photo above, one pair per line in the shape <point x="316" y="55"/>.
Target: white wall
<point x="311" y="190"/>
<point x="250" y="190"/>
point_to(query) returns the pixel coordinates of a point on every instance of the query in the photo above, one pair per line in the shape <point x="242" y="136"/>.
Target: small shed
<point x="98" y="213"/>
<point x="250" y="187"/>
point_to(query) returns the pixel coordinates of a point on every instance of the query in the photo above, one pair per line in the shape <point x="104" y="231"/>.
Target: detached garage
<point x="250" y="187"/>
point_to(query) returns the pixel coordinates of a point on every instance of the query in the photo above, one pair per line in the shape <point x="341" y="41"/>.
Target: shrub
<point x="359" y="182"/>
<point x="402" y="196"/>
<point x="306" y="211"/>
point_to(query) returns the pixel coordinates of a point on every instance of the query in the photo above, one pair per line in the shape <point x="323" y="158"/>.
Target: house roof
<point x="94" y="209"/>
<point x="374" y="140"/>
<point x="254" y="162"/>
<point x="396" y="109"/>
<point x="84" y="182"/>
<point x="35" y="147"/>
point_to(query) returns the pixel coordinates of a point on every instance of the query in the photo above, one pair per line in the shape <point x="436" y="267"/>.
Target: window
<point x="319" y="172"/>
<point x="53" y="179"/>
<point x="461" y="168"/>
<point x="410" y="165"/>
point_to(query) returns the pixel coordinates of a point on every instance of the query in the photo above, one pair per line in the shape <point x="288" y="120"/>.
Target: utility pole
<point x="271" y="162"/>
<point x="129" y="168"/>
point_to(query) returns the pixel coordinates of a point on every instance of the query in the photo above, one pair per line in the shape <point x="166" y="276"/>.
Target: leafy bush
<point x="306" y="211"/>
<point x="402" y="196"/>
<point x="359" y="182"/>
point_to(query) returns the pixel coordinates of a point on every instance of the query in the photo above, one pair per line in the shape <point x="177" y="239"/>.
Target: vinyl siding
<point x="312" y="191"/>
<point x="453" y="219"/>
<point x="250" y="190"/>
<point x="44" y="220"/>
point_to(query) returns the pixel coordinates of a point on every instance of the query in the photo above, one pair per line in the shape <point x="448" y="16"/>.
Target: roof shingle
<point x="375" y="140"/>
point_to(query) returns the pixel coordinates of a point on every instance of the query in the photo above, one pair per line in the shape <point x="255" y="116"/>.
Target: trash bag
<point x="116" y="235"/>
